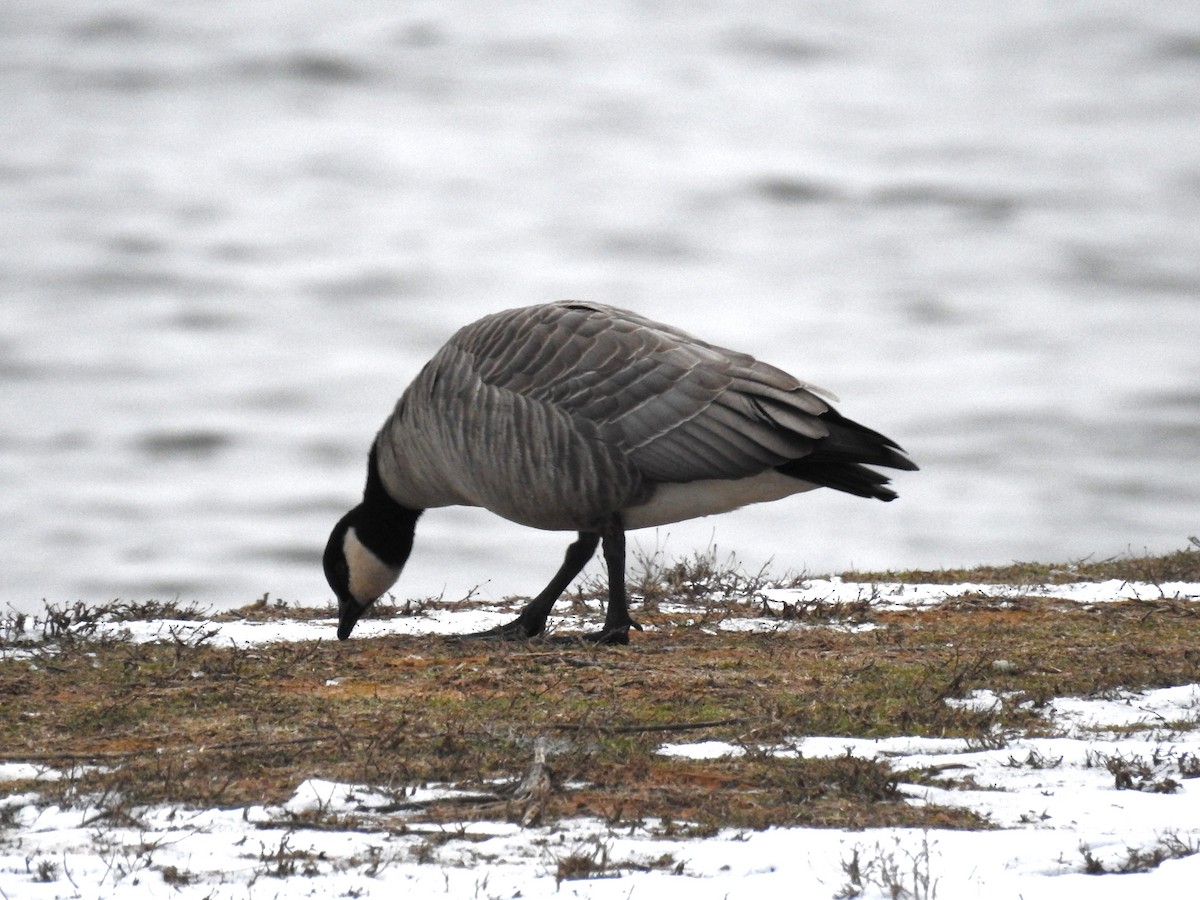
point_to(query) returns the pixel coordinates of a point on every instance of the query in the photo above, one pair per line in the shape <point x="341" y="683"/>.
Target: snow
<point x="453" y="619"/>
<point x="898" y="595"/>
<point x="1054" y="803"/>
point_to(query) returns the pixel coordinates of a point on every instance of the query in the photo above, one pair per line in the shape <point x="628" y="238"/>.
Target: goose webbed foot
<point x="519" y="629"/>
<point x="532" y="620"/>
<point x="523" y="630"/>
<point x="612" y="634"/>
<point x="617" y="637"/>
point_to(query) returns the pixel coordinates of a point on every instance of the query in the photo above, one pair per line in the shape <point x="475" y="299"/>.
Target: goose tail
<point x="840" y="461"/>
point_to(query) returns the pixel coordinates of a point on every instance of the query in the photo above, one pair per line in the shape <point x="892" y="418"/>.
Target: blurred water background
<point x="230" y="234"/>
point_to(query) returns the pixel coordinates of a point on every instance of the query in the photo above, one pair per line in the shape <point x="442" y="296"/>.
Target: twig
<point x="668" y="726"/>
<point x="16" y="756"/>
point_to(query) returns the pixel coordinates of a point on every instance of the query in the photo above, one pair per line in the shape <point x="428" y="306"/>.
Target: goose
<point x="582" y="417"/>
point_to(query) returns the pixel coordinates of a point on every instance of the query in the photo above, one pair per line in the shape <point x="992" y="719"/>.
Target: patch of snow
<point x="702" y="750"/>
<point x="814" y="592"/>
<point x="983" y="700"/>
<point x="897" y="595"/>
<point x="1049" y="796"/>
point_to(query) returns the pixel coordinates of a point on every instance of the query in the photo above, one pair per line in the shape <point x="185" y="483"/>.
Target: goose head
<point x="363" y="558"/>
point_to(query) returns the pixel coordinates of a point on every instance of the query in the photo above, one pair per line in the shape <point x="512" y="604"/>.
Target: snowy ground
<point x="1115" y="789"/>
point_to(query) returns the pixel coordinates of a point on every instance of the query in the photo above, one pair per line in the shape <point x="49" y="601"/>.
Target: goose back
<point x="556" y="416"/>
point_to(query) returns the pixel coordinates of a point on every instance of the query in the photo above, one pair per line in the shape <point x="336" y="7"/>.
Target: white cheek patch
<point x="370" y="577"/>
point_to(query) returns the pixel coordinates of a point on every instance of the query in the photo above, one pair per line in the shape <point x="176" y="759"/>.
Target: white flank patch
<point x="677" y="502"/>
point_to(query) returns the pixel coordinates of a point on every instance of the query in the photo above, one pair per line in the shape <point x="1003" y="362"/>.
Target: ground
<point x="862" y="731"/>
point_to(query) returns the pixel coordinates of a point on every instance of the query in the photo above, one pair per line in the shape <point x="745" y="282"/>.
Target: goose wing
<point x="679" y="409"/>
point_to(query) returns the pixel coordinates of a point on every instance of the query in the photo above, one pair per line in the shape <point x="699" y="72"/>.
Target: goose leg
<point x="532" y="620"/>
<point x="617" y="620"/>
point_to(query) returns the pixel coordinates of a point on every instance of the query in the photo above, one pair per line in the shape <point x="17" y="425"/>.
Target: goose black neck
<point x="383" y="524"/>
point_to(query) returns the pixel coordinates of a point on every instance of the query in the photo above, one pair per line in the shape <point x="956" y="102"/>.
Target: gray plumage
<point x="578" y="416"/>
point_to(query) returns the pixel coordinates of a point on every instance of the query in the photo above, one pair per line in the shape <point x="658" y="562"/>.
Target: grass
<point x="896" y="872"/>
<point x="1183" y="565"/>
<point x="191" y="722"/>
<point x="1169" y="845"/>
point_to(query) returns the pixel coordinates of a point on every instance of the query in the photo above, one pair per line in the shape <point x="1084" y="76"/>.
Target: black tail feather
<point x="848" y="477"/>
<point x="840" y="460"/>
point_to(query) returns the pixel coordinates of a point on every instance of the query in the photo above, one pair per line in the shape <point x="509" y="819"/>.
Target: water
<point x="233" y="232"/>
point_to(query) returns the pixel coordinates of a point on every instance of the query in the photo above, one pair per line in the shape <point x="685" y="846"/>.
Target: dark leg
<point x="617" y="621"/>
<point x="532" y="620"/>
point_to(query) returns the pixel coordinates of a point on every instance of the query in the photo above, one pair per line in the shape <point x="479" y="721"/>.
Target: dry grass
<point x="187" y="721"/>
<point x="1183" y="565"/>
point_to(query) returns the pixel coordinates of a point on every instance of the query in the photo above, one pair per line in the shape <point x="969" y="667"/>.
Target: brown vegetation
<point x="195" y="722"/>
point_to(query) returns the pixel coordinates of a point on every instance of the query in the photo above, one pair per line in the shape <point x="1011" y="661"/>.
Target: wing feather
<point x="680" y="408"/>
<point x="558" y="415"/>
